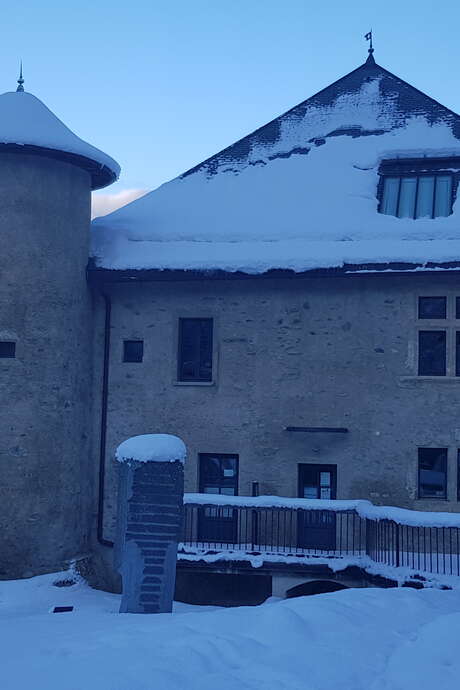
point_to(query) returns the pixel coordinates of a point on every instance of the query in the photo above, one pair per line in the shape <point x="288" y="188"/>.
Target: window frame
<point x="220" y="456"/>
<point x="450" y="324"/>
<point x="132" y="361"/>
<point x="13" y="349"/>
<point x="446" y="474"/>
<point x="419" y="167"/>
<point x="446" y="352"/>
<point x="178" y="376"/>
<point x="458" y="474"/>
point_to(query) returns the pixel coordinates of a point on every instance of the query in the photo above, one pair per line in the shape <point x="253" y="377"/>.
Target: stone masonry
<point x="330" y="351"/>
<point x="46" y="485"/>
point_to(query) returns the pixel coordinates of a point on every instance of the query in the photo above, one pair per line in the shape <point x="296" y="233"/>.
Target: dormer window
<point x="423" y="188"/>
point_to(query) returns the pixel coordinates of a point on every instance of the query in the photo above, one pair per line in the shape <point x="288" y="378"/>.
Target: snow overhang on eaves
<point x="105" y="275"/>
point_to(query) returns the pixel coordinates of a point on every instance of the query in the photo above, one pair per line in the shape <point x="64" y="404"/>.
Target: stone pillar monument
<point x="150" y="510"/>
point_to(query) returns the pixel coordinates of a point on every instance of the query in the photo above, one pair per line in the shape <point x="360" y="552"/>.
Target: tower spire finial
<point x="368" y="37"/>
<point x="20" y="80"/>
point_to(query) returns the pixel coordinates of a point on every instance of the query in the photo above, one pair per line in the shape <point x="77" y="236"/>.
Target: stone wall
<point x="45" y="307"/>
<point x="335" y="351"/>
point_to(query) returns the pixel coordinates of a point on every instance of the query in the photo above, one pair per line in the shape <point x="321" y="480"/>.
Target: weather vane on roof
<point x="368" y="37"/>
<point x="20" y="80"/>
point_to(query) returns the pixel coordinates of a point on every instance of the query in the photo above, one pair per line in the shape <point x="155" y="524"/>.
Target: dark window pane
<point x="133" y="350"/>
<point x="407" y="191"/>
<point x="195" y="350"/>
<point x="390" y="196"/>
<point x="458" y="475"/>
<point x="432" y="307"/>
<point x="457" y="307"/>
<point x="425" y="195"/>
<point x="432" y="353"/>
<point x="219" y="471"/>
<point x="457" y="353"/>
<point x="7" y="349"/>
<point x="432" y="472"/>
<point x="443" y="198"/>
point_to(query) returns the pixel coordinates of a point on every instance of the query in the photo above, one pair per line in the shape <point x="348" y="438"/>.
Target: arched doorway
<point x="314" y="587"/>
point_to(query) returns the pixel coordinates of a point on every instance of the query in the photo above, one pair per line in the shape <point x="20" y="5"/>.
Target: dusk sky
<point x="161" y="86"/>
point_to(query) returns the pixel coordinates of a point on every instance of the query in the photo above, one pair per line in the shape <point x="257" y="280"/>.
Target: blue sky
<point x="162" y="85"/>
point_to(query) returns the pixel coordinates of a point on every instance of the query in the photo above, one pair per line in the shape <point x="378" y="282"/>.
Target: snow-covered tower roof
<point x="299" y="193"/>
<point x="26" y="124"/>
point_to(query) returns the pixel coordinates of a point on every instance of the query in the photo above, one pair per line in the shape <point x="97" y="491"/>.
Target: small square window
<point x="133" y="350"/>
<point x="432" y="472"/>
<point x="432" y="307"/>
<point x="7" y="349"/>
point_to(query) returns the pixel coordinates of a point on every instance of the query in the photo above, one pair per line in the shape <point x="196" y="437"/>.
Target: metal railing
<point x="425" y="549"/>
<point x="270" y="532"/>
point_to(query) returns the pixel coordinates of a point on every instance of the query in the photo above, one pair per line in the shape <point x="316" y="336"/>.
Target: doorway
<point x="218" y="474"/>
<point x="317" y="528"/>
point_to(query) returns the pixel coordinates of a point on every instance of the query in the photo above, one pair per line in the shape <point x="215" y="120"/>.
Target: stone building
<point x="290" y="308"/>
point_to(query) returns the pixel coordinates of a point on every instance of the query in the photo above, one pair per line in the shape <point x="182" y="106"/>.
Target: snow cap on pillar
<point x="151" y="448"/>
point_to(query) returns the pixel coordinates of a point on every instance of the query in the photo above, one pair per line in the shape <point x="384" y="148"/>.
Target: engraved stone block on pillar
<point x="149" y="521"/>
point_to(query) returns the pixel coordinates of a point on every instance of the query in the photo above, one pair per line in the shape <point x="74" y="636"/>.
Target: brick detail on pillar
<point x="149" y="524"/>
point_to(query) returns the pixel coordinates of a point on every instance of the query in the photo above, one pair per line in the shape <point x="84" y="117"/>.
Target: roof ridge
<point x="369" y="66"/>
<point x="278" y="117"/>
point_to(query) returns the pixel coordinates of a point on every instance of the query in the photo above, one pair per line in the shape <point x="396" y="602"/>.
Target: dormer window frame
<point x="419" y="168"/>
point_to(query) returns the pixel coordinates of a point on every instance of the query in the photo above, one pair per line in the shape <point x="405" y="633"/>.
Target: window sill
<point x="433" y="499"/>
<point x="194" y="383"/>
<point x="422" y="379"/>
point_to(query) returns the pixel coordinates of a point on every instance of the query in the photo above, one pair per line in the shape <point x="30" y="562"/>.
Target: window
<point x="219" y="474"/>
<point x="423" y="188"/>
<point x="195" y="350"/>
<point x="432" y="307"/>
<point x="432" y="472"/>
<point x="133" y="350"/>
<point x="7" y="349"/>
<point x="432" y="353"/>
<point x="438" y="337"/>
<point x="458" y="475"/>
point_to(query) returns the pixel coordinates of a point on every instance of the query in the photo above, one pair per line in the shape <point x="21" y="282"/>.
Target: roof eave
<point x="101" y="175"/>
<point x="100" y="275"/>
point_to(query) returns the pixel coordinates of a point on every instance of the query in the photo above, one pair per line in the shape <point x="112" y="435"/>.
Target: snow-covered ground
<point x="370" y="639"/>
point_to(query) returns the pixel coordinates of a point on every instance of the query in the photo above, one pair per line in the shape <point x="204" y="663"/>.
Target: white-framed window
<point x="418" y="188"/>
<point x="438" y="334"/>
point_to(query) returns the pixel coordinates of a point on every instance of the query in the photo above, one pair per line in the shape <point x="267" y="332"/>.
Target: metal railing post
<point x="397" y="546"/>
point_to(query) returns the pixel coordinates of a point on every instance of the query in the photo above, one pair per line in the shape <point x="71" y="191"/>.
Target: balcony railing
<point x="271" y="529"/>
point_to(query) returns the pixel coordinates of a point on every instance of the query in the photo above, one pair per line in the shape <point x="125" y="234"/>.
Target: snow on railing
<point x="272" y="528"/>
<point x="364" y="508"/>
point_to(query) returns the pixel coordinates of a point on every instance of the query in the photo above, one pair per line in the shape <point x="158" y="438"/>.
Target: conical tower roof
<point x="27" y="125"/>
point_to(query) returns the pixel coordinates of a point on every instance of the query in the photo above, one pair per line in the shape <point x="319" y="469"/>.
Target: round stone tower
<point x="46" y="177"/>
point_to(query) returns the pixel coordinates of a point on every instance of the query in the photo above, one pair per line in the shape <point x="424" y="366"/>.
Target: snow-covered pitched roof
<point x="298" y="193"/>
<point x="26" y="122"/>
